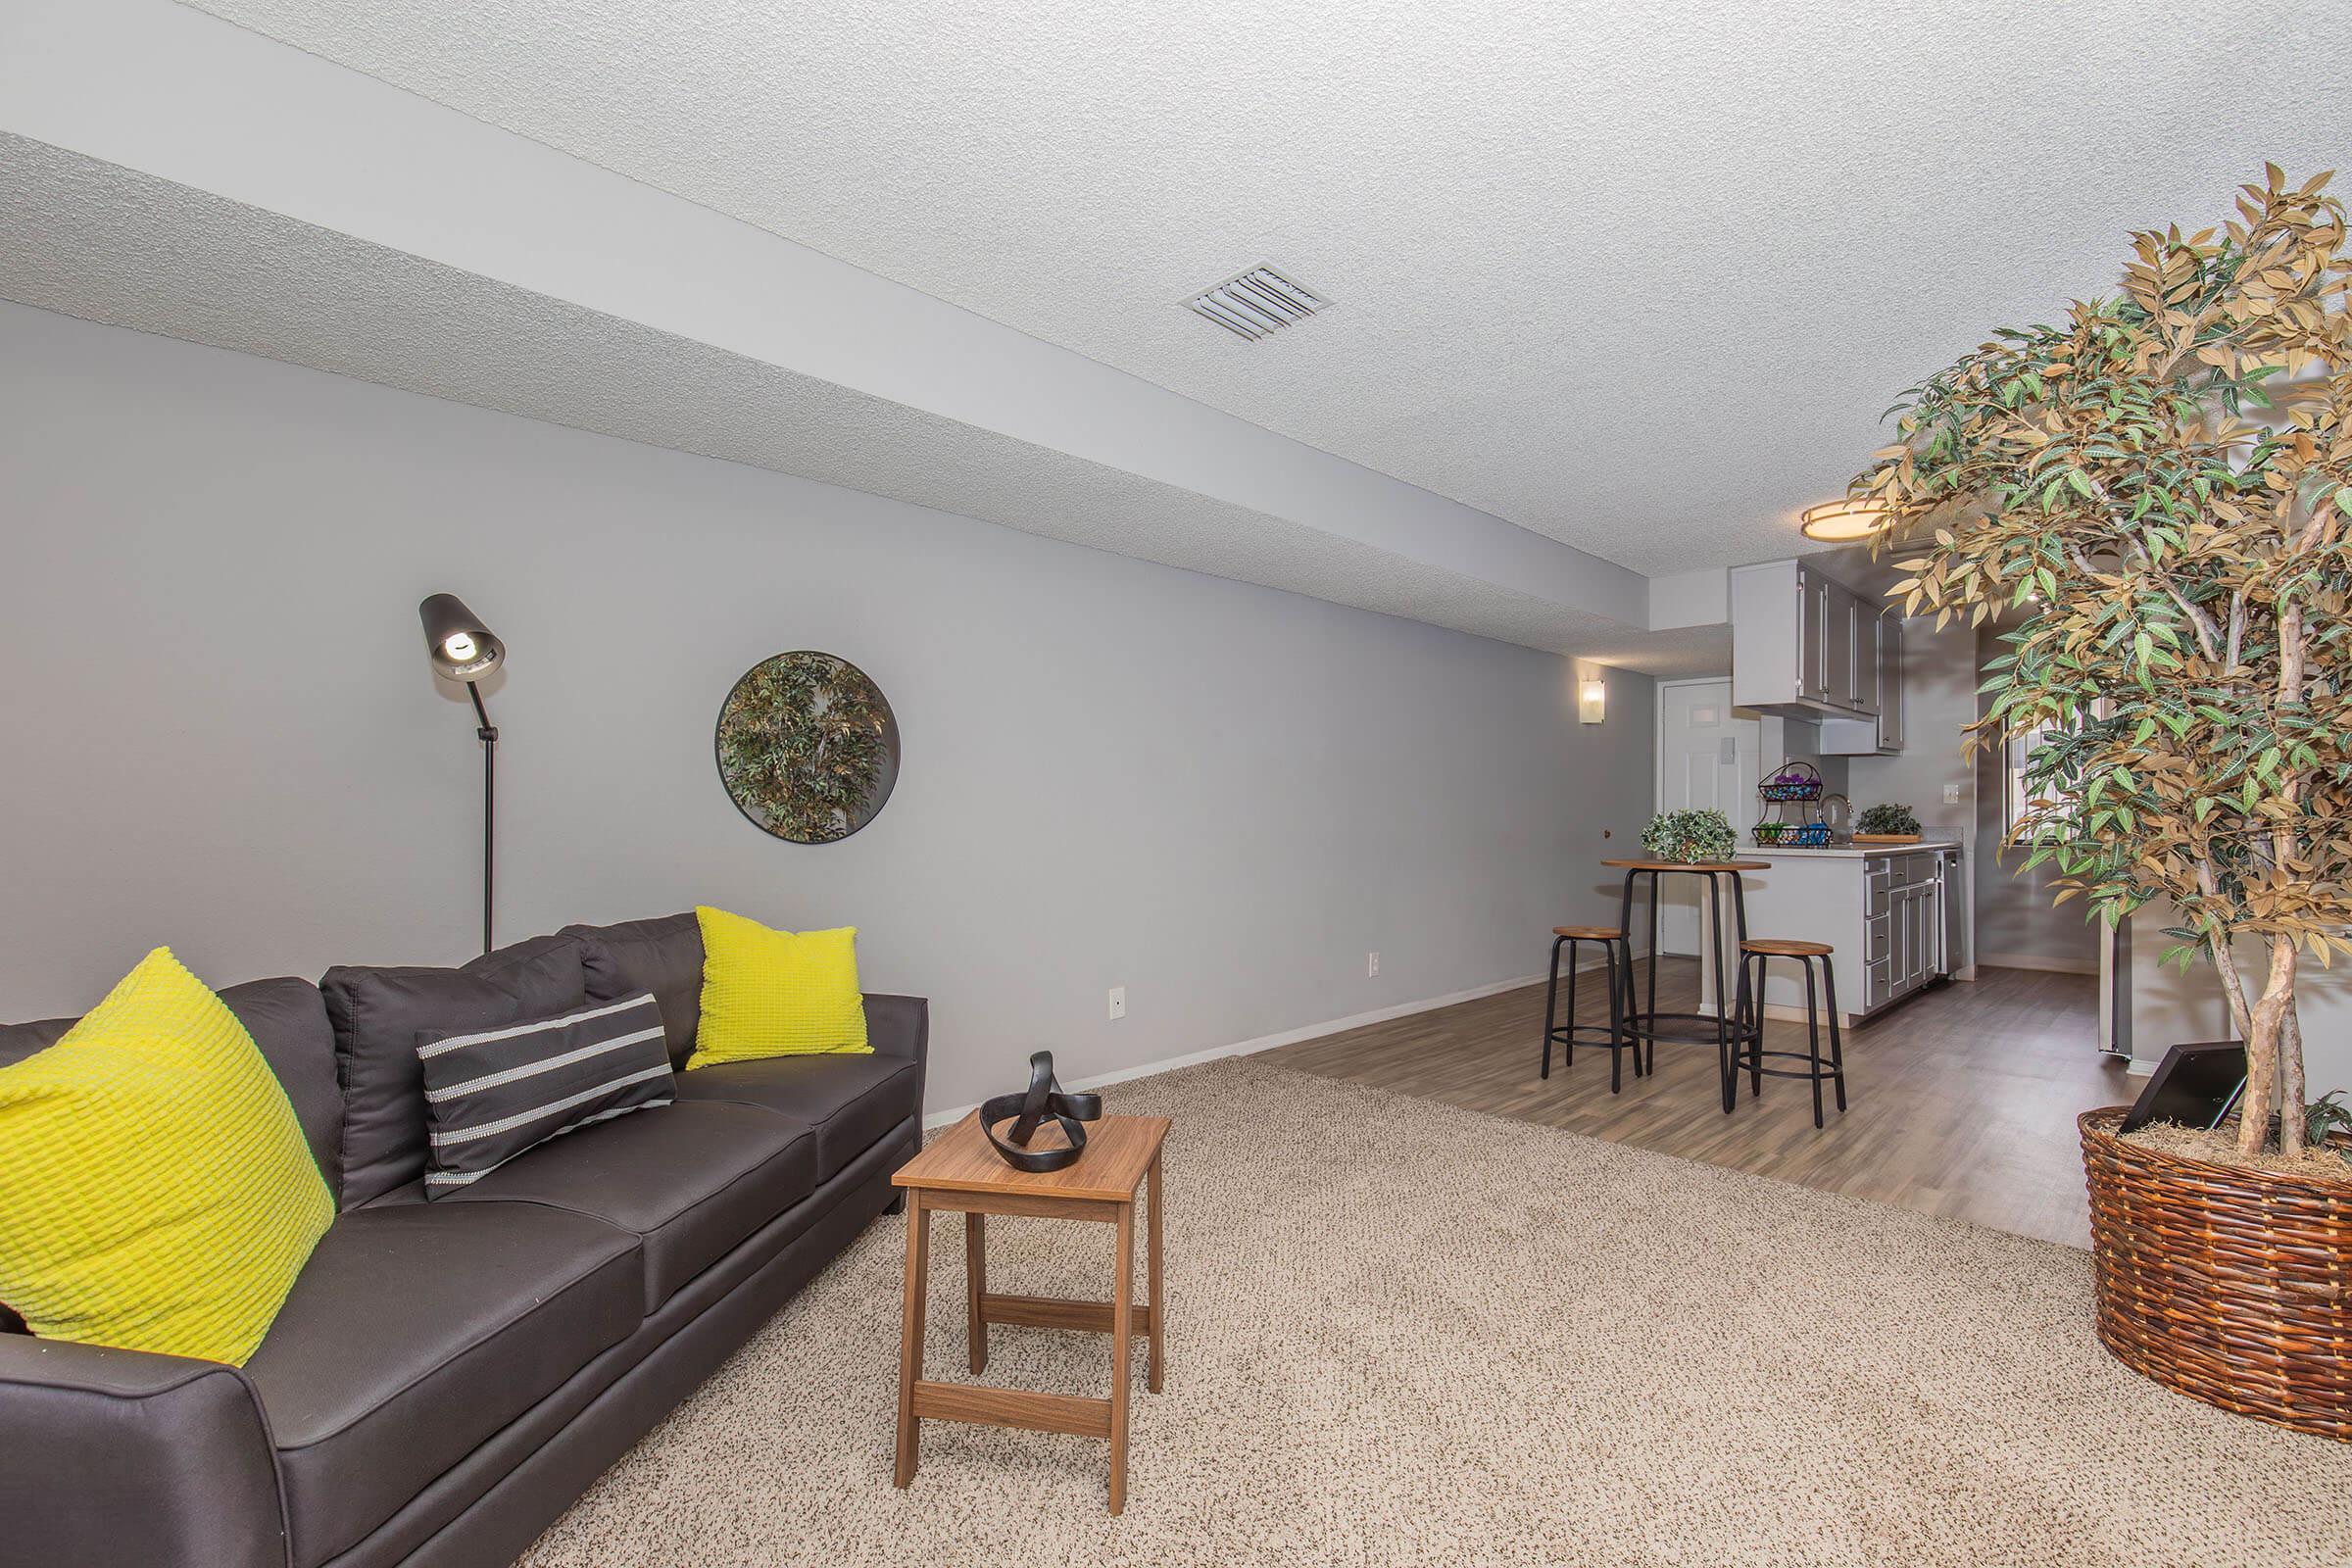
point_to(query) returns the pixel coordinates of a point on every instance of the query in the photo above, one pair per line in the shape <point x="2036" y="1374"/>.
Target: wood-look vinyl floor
<point x="1962" y="1100"/>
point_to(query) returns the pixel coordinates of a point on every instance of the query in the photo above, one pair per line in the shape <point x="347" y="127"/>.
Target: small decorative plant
<point x="2327" y="1116"/>
<point x="2162" y="483"/>
<point x="1890" y="819"/>
<point x="1690" y="837"/>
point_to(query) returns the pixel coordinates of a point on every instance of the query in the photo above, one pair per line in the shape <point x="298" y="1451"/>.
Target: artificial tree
<point x="2160" y="485"/>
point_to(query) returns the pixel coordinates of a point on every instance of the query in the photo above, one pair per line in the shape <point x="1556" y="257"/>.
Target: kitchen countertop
<point x="1846" y="852"/>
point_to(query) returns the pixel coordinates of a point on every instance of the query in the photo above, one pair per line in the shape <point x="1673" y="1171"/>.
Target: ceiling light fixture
<point x="1843" y="521"/>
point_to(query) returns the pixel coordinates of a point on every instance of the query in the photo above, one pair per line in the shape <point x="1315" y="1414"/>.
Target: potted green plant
<point x="1691" y="837"/>
<point x="2157" y="484"/>
<point x="1893" y="823"/>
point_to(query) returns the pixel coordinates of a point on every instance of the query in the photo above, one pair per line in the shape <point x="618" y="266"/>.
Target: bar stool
<point x="1615" y="957"/>
<point x="1748" y="1016"/>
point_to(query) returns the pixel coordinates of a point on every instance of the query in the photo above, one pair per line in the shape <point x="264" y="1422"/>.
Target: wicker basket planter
<point x="2231" y="1286"/>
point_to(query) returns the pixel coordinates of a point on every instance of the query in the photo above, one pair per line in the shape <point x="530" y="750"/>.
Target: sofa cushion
<point x="689" y="1181"/>
<point x="415" y="1333"/>
<point x="287" y="1019"/>
<point x="847" y="1102"/>
<point x="378" y="1014"/>
<point x="770" y="993"/>
<point x="663" y="957"/>
<point x="493" y="1094"/>
<point x="155" y="1190"/>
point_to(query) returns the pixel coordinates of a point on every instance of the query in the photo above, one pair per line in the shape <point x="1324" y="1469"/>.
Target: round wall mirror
<point x="808" y="746"/>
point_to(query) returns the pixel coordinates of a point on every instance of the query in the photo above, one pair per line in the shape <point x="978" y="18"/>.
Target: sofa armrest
<point x="898" y="1027"/>
<point x="120" y="1456"/>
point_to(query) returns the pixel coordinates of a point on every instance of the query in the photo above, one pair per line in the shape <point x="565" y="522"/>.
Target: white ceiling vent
<point x="1257" y="302"/>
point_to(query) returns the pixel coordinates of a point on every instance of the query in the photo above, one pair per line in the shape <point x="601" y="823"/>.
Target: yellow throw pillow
<point x="775" y="993"/>
<point x="155" y="1190"/>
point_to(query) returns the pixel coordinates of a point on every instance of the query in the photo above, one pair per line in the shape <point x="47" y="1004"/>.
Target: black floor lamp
<point x="463" y="650"/>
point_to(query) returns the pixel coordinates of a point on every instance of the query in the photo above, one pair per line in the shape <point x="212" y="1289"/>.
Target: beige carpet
<point x="1401" y="1333"/>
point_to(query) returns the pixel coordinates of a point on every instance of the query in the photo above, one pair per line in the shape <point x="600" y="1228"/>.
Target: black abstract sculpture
<point x="1029" y="1109"/>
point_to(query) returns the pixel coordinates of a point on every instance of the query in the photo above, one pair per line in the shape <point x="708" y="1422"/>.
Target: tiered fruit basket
<point x="1796" y="788"/>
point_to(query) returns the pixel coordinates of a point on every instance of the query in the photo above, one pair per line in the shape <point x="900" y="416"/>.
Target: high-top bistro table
<point x="1648" y="1023"/>
<point x="961" y="1172"/>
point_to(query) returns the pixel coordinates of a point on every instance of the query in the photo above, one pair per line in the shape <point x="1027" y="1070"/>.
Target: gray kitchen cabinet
<point x="1837" y="646"/>
<point x="1902" y="945"/>
<point x="1912" y="972"/>
<point x="1883" y="910"/>
<point x="1805" y="644"/>
<point x="1867" y="671"/>
<point x="1812" y="636"/>
<point x="1891" y="681"/>
<point x="1883" y="732"/>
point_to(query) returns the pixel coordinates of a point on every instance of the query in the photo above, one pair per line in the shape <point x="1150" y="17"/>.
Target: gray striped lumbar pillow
<point x="491" y="1094"/>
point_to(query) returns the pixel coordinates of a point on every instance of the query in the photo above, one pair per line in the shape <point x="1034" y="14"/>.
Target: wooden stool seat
<point x="1787" y="948"/>
<point x="1588" y="933"/>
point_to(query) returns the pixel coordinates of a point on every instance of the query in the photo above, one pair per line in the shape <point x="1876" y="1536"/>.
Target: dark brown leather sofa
<point x="447" y="1377"/>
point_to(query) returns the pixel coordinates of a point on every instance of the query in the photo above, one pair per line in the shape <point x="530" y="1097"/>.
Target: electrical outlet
<point x="1118" y="1002"/>
<point x="1951" y="795"/>
<point x="1372" y="966"/>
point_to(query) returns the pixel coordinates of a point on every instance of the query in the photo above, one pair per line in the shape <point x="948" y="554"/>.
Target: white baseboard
<point x="1289" y="1037"/>
<point x="2036" y="960"/>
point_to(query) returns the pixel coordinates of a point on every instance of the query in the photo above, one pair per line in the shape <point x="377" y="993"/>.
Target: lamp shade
<point x="461" y="647"/>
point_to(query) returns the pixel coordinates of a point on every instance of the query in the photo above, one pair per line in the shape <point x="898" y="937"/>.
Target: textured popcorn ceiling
<point x="1638" y="275"/>
<point x="106" y="243"/>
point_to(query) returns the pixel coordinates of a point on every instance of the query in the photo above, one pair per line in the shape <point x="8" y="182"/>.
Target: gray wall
<point x="2016" y="922"/>
<point x="2171" y="1006"/>
<point x="223" y="735"/>
<point x="1939" y="701"/>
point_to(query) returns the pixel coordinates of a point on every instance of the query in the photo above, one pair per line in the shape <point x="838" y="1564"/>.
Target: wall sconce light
<point x="1592" y="700"/>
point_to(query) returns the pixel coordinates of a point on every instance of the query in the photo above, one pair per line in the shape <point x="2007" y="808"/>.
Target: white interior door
<point x="1709" y="757"/>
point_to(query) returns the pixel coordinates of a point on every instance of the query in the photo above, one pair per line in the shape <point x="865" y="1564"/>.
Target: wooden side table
<point x="960" y="1172"/>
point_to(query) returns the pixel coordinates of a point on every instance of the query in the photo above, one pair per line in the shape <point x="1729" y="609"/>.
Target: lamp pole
<point x="488" y="734"/>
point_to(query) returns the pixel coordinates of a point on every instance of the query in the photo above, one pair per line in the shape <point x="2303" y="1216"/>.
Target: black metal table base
<point x="1646" y="1026"/>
